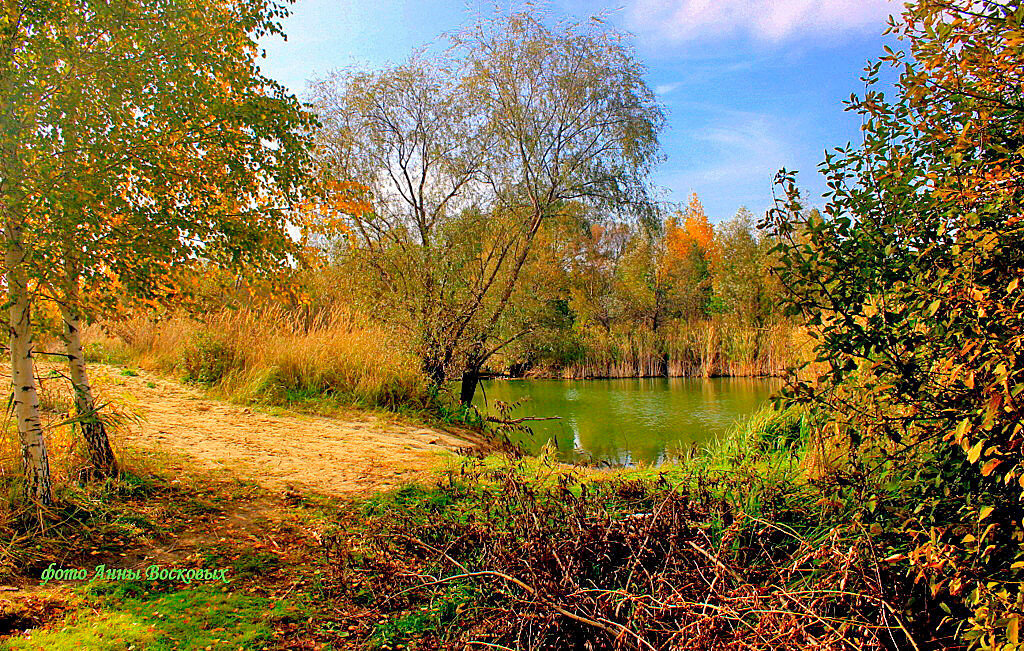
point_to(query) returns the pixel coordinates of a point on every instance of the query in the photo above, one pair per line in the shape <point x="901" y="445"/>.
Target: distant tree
<point x="739" y="271"/>
<point x="594" y="273"/>
<point x="644" y="282"/>
<point x="689" y="250"/>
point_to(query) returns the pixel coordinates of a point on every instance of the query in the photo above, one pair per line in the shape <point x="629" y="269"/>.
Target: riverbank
<point x="763" y="539"/>
<point x="485" y="553"/>
<point x="768" y="538"/>
<point x="570" y="374"/>
<point x="352" y="452"/>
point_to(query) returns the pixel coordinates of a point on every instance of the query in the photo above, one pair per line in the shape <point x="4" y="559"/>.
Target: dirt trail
<point x="329" y="455"/>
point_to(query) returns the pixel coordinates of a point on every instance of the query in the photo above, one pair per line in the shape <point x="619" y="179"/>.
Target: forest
<point x="248" y="334"/>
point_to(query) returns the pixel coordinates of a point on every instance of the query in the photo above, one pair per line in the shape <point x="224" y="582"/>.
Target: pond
<point x="627" y="421"/>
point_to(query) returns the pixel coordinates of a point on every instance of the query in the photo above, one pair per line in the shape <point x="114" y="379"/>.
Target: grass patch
<point x="241" y="563"/>
<point x="130" y="614"/>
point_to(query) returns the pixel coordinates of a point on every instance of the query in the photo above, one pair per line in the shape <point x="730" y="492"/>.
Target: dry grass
<point x="274" y="354"/>
<point x="56" y="405"/>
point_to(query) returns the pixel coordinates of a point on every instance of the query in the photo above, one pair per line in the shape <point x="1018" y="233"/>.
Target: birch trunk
<point x="23" y="379"/>
<point x="100" y="455"/>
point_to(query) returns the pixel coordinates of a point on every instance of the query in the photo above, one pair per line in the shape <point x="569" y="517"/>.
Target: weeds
<point x="739" y="548"/>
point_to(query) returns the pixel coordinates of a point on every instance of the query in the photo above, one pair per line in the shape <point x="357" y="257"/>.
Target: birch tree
<point x="139" y="136"/>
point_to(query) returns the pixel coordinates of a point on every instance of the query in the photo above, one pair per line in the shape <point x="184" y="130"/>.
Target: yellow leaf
<point x="985" y="512"/>
<point x="975" y="452"/>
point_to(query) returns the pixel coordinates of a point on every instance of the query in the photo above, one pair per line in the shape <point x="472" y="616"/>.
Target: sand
<point x="278" y="449"/>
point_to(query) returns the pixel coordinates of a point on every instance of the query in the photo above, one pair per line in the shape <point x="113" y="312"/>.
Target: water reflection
<point x="625" y="421"/>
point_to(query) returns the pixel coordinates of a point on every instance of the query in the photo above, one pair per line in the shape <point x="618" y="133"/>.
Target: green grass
<point x="240" y="562"/>
<point x="440" y="618"/>
<point x="123" y="616"/>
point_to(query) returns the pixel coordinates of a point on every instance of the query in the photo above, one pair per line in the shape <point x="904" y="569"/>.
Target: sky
<point x="749" y="86"/>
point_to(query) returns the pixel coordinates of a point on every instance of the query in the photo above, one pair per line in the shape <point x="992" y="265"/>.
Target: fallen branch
<point x="533" y="593"/>
<point x="516" y="421"/>
<point x="722" y="566"/>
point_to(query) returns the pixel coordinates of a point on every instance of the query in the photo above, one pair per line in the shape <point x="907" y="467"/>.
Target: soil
<point x="280" y="450"/>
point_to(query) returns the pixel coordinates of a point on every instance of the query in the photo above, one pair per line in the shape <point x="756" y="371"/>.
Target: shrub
<point x="207" y="358"/>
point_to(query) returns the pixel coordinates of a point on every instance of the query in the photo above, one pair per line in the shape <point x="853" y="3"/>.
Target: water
<point x="627" y="421"/>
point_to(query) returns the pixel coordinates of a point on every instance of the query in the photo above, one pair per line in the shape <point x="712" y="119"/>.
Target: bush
<point x="207" y="359"/>
<point x="742" y="559"/>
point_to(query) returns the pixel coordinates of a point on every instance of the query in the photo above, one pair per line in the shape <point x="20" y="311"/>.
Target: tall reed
<point x="705" y="348"/>
<point x="276" y="354"/>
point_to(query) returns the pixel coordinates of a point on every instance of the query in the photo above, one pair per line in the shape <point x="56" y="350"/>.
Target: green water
<point x="629" y="421"/>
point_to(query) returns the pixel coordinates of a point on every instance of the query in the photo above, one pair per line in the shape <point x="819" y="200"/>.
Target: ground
<point x="280" y="450"/>
<point x="268" y="544"/>
<point x="208" y="484"/>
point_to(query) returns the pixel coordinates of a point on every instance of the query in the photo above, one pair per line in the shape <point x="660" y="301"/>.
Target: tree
<point x="138" y="136"/>
<point x="594" y="273"/>
<point x="910" y="281"/>
<point x="689" y="251"/>
<point x="466" y="155"/>
<point x="400" y="135"/>
<point x="740" y="269"/>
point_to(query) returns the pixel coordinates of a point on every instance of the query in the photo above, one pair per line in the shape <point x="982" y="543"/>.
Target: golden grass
<point x="56" y="411"/>
<point x="274" y="354"/>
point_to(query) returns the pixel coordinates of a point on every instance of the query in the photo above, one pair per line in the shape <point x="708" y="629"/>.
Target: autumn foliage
<point x="689" y="233"/>
<point x="911" y="281"/>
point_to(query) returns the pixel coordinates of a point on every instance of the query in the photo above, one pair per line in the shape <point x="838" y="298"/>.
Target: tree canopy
<point x="136" y="136"/>
<point x="463" y="156"/>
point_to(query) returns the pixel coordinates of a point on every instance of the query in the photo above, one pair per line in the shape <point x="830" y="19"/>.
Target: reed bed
<point x="707" y="348"/>
<point x="274" y="354"/>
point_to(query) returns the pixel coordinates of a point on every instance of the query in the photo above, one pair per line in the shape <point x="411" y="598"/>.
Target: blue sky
<point x="749" y="85"/>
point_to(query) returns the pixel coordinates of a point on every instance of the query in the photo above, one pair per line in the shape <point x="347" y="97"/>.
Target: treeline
<point x="679" y="297"/>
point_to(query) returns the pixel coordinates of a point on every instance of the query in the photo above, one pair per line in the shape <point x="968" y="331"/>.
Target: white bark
<point x="26" y="400"/>
<point x="101" y="457"/>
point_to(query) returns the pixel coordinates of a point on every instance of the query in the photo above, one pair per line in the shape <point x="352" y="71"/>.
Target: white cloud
<point x="742" y="145"/>
<point x="764" y="20"/>
<point x="665" y="89"/>
<point x="731" y="160"/>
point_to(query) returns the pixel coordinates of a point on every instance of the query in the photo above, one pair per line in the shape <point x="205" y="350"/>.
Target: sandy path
<point x="328" y="455"/>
